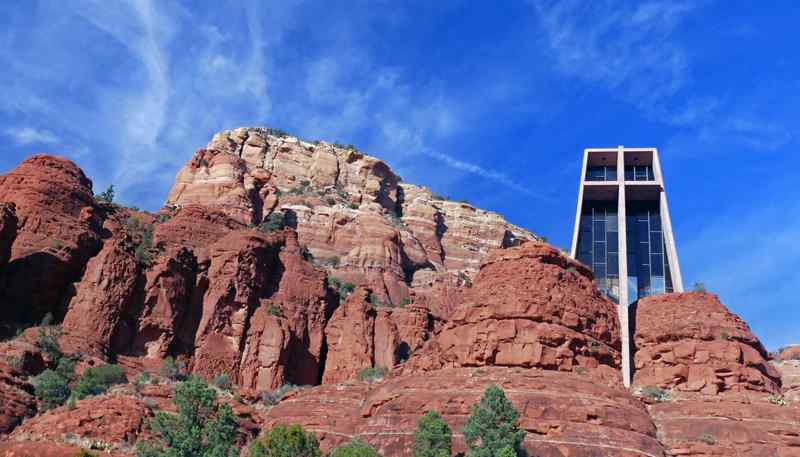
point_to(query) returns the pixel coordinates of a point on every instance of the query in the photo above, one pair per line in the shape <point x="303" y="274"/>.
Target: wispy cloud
<point x="25" y="136"/>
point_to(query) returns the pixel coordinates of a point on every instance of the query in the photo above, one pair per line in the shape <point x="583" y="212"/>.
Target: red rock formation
<point x="350" y="335"/>
<point x="8" y="231"/>
<point x="691" y="342"/>
<point x="101" y="299"/>
<point x="789" y="353"/>
<point x="531" y="306"/>
<point x="112" y="422"/>
<point x="16" y="399"/>
<point x="192" y="227"/>
<point x="350" y="210"/>
<point x="58" y="232"/>
<point x="565" y="414"/>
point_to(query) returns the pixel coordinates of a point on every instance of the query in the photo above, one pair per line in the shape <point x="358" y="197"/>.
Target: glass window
<point x="613" y="264"/>
<point x="655" y="242"/>
<point x="613" y="242"/>
<point x="611" y="174"/>
<point x="657" y="264"/>
<point x="599" y="230"/>
<point x="599" y="271"/>
<point x="657" y="285"/>
<point x="599" y="252"/>
<point x="655" y="221"/>
<point x="629" y="175"/>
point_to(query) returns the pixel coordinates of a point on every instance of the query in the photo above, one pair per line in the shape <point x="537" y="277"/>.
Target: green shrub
<point x="433" y="437"/>
<point x="492" y="426"/>
<point x="776" y="400"/>
<point x="172" y="369"/>
<point x="273" y="310"/>
<point x="372" y="374"/>
<point x="281" y="441"/>
<point x="275" y="397"/>
<point x="353" y="205"/>
<point x="47" y="341"/>
<point x="141" y="380"/>
<point x="97" y="380"/>
<point x="507" y="451"/>
<point x="222" y="381"/>
<point x="107" y="196"/>
<point x="275" y="221"/>
<point x="707" y="438"/>
<point x="699" y="287"/>
<point x="200" y="427"/>
<point x="65" y="368"/>
<point x="51" y="388"/>
<point x="405" y="302"/>
<point x="342" y="289"/>
<point x="355" y="448"/>
<point x="657" y="394"/>
<point x="84" y="453"/>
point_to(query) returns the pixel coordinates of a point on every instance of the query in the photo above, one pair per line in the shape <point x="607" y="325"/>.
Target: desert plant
<point x="222" y="381"/>
<point x="172" y="369"/>
<point x="97" y="380"/>
<point x="405" y="302"/>
<point x="107" y="196"/>
<point x="84" y="453"/>
<point x="776" y="400"/>
<point x="707" y="438"/>
<point x="47" y="340"/>
<point x="141" y="380"/>
<point x="199" y="429"/>
<point x="275" y="221"/>
<point x="372" y="374"/>
<point x="657" y="394"/>
<point x="492" y="426"/>
<point x="274" y="310"/>
<point x="51" y="388"/>
<point x="275" y="397"/>
<point x="282" y="441"/>
<point x="433" y="437"/>
<point x="355" y="448"/>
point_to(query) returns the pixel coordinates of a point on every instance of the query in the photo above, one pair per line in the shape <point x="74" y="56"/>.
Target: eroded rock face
<point x="16" y="399"/>
<point x="530" y="306"/>
<point x="691" y="342"/>
<point x="350" y="210"/>
<point x="728" y="424"/>
<point x="101" y="299"/>
<point x="58" y="231"/>
<point x="115" y="421"/>
<point x="565" y="414"/>
<point x="8" y="231"/>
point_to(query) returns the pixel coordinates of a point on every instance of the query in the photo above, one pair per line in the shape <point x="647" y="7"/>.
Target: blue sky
<point x="490" y="103"/>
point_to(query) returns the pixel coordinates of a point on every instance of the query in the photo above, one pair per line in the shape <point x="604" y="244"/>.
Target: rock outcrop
<point x="16" y="398"/>
<point x="8" y="231"/>
<point x="58" y="231"/>
<point x="564" y="414"/>
<point x="350" y="210"/>
<point x="691" y="342"/>
<point x="712" y="391"/>
<point x="530" y="306"/>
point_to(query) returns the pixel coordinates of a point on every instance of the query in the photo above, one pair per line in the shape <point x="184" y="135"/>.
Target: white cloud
<point x="29" y="135"/>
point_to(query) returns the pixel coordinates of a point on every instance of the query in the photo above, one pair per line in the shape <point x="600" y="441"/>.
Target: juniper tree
<point x="492" y="426"/>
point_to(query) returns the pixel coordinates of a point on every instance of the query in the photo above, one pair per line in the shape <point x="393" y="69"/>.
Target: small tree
<point x="107" y="196"/>
<point x="433" y="437"/>
<point x="96" y="381"/>
<point x="699" y="287"/>
<point x="283" y="441"/>
<point x="355" y="448"/>
<point x="492" y="426"/>
<point x="51" y="388"/>
<point x="47" y="340"/>
<point x="222" y="381"/>
<point x="199" y="429"/>
<point x="172" y="369"/>
<point x="275" y="221"/>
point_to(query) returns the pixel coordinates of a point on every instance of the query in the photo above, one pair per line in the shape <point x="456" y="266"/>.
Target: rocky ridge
<point x="202" y="283"/>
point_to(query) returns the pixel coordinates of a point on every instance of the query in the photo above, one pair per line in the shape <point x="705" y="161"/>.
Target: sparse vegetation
<point x="107" y="196"/>
<point x="355" y="448"/>
<point x="51" y="388"/>
<point x="273" y="310"/>
<point x="144" y="232"/>
<point x="492" y="426"/>
<point x="172" y="369"/>
<point x="282" y="441"/>
<point x="777" y="400"/>
<point x="275" y="397"/>
<point x="200" y="427"/>
<point x="47" y="340"/>
<point x="342" y="289"/>
<point x="405" y="302"/>
<point x="433" y="437"/>
<point x="97" y="380"/>
<point x="275" y="221"/>
<point x="699" y="287"/>
<point x="707" y="438"/>
<point x="657" y="394"/>
<point x="372" y="374"/>
<point x="141" y="380"/>
<point x="222" y="381"/>
<point x="275" y="132"/>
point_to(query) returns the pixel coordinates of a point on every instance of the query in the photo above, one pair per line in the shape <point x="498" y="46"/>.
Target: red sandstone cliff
<point x="225" y="297"/>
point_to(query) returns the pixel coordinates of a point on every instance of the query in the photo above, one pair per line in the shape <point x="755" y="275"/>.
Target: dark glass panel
<point x="655" y="221"/>
<point x="599" y="270"/>
<point x="613" y="264"/>
<point x="613" y="242"/>
<point x="629" y="173"/>
<point x="642" y="232"/>
<point x="599" y="251"/>
<point x="655" y="242"/>
<point x="599" y="230"/>
<point x="657" y="264"/>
